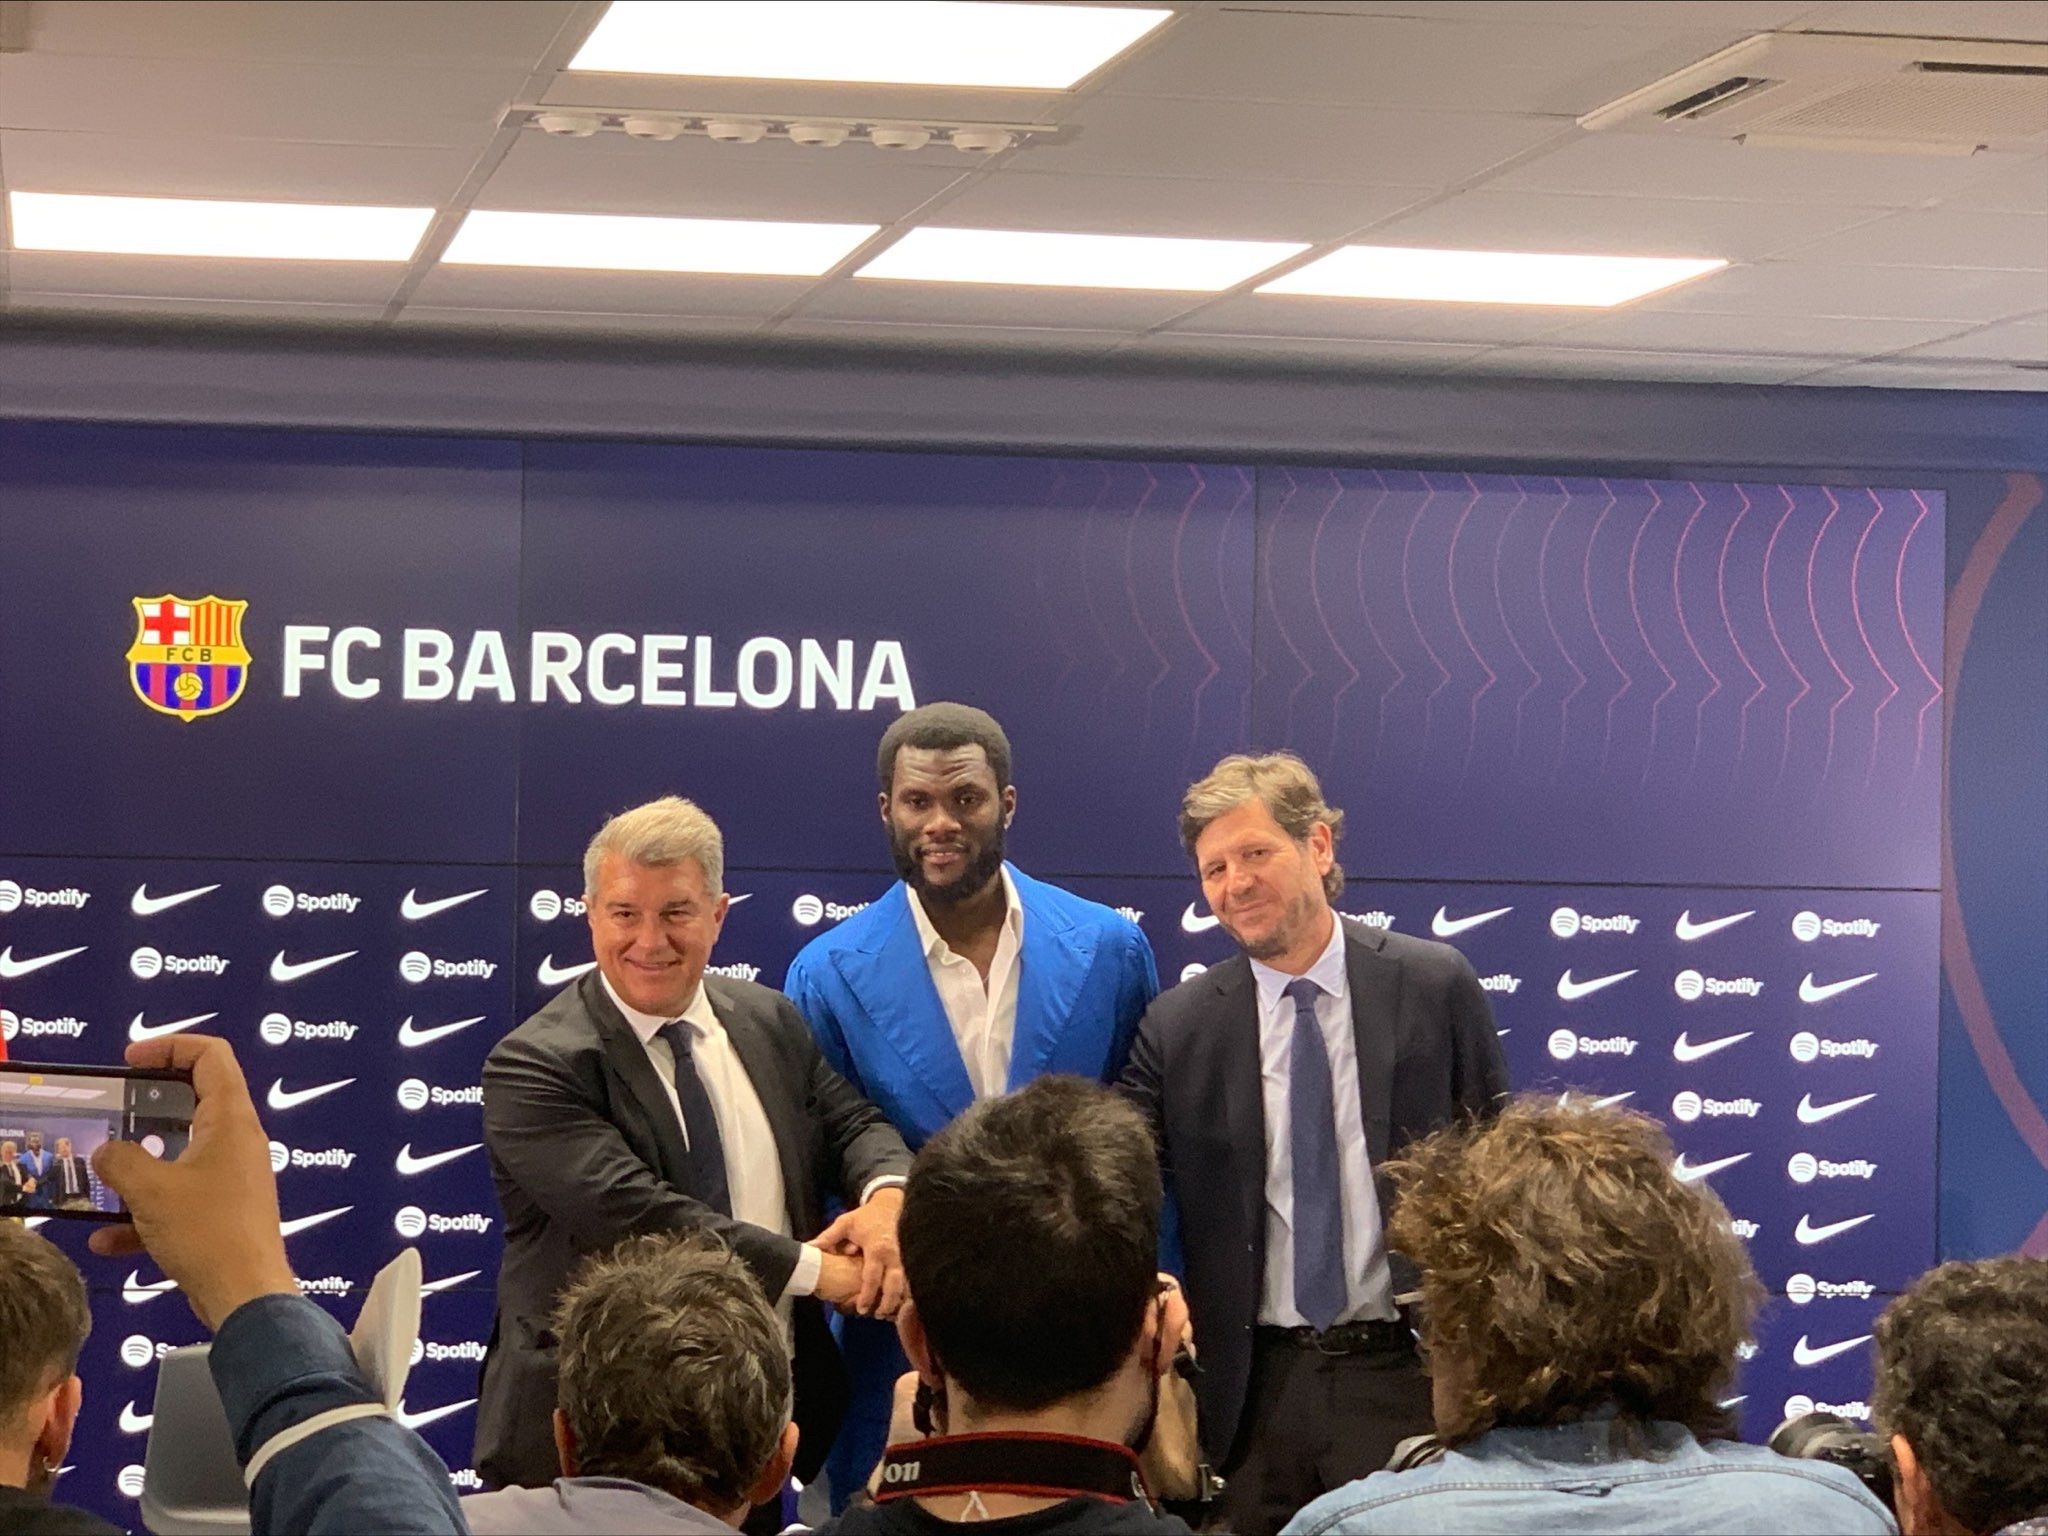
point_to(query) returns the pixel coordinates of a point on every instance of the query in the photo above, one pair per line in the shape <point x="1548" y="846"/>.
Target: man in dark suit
<point x="648" y="1097"/>
<point x="1279" y="1084"/>
<point x="69" y="1182"/>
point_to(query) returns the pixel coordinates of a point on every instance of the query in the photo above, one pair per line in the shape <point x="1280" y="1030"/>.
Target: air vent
<point x="1834" y="90"/>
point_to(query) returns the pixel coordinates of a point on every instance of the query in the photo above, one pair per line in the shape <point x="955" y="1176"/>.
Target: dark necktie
<point x="1319" y="1291"/>
<point x="700" y="1123"/>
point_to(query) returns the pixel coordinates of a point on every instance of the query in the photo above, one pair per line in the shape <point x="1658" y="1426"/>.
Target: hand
<point x="28" y="1185"/>
<point x="1176" y="1325"/>
<point x="838" y="1281"/>
<point x="869" y="1231"/>
<point x="210" y="1218"/>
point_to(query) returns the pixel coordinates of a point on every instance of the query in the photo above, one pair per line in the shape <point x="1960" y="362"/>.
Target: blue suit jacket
<point x="1086" y="976"/>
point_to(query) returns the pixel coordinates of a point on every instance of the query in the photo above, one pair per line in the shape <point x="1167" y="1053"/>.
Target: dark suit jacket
<point x="12" y="1177"/>
<point x="68" y="1176"/>
<point x="585" y="1149"/>
<point x="1427" y="1054"/>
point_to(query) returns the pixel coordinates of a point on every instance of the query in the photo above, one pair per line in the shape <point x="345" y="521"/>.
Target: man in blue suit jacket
<point x="966" y="979"/>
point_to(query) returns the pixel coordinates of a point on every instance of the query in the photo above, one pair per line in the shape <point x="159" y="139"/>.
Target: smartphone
<point x="53" y="1118"/>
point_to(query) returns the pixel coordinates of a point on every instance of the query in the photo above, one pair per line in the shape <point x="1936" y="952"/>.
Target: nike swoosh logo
<point x="282" y="1097"/>
<point x="1564" y="1100"/>
<point x="1689" y="930"/>
<point x="429" y="1415"/>
<point x="551" y="975"/>
<point x="135" y="1293"/>
<point x="1446" y="927"/>
<point x="1192" y="921"/>
<point x="411" y="908"/>
<point x="1730" y="1402"/>
<point x="142" y="904"/>
<point x="133" y="1423"/>
<point x="427" y="1288"/>
<point x="407" y="1035"/>
<point x="1809" y="1234"/>
<point x="1571" y="990"/>
<point x="733" y="901"/>
<point x="1687" y="1173"/>
<point x="1683" y="1049"/>
<point x="1811" y="1113"/>
<point x="299" y="1224"/>
<point x="1810" y="993"/>
<point x="11" y="967"/>
<point x="408" y="1164"/>
<point x="139" y="1031"/>
<point x="282" y="969"/>
<point x="1804" y="1353"/>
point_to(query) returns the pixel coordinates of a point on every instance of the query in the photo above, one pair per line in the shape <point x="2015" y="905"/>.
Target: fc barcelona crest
<point x="188" y="659"/>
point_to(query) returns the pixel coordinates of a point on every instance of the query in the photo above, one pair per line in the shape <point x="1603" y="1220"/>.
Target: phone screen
<point x="53" y="1118"/>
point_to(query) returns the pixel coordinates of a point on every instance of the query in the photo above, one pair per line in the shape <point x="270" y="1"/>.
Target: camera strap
<point x="1030" y="1465"/>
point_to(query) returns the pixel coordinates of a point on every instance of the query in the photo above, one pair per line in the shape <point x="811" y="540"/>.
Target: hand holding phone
<point x="209" y="1219"/>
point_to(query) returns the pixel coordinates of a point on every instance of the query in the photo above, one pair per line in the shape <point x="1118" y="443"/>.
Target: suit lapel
<point x="1375" y="983"/>
<point x="780" y="1099"/>
<point x="894" y="984"/>
<point x="1051" y="967"/>
<point x="1244" y="1098"/>
<point x="627" y="1058"/>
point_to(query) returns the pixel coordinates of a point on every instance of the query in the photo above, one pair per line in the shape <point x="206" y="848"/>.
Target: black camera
<point x="1831" y="1438"/>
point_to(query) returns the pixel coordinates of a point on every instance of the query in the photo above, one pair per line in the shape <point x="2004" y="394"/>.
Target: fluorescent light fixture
<point x="1486" y="277"/>
<point x="605" y="242"/>
<point x="874" y="42"/>
<point x="190" y="226"/>
<point x="1076" y="261"/>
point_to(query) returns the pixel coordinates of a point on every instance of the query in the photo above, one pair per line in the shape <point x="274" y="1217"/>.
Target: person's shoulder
<point x="1202" y="996"/>
<point x="559" y="1026"/>
<point x="1812" y="1495"/>
<point x="1430" y="958"/>
<point x="1077" y="911"/>
<point x="864" y="928"/>
<point x="26" y="1513"/>
<point x="1356" y="1507"/>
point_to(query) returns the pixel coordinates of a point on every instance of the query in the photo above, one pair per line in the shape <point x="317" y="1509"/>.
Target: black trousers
<point x="1315" y="1421"/>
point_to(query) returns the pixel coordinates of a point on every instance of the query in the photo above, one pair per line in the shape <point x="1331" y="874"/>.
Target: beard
<point x="983" y="864"/>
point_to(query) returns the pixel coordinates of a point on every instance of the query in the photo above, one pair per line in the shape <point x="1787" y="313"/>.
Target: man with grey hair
<point x="1278" y="1085"/>
<point x="673" y="1409"/>
<point x="650" y="1097"/>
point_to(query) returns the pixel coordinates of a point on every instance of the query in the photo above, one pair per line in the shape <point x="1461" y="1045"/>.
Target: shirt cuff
<point x="803" y="1280"/>
<point x="886" y="1181"/>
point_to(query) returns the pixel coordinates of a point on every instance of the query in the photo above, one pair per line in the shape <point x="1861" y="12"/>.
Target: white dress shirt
<point x="983" y="1014"/>
<point x="1368" y="1284"/>
<point x="753" y="1169"/>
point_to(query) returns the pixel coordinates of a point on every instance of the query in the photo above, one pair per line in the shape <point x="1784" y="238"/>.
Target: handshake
<point x="862" y="1268"/>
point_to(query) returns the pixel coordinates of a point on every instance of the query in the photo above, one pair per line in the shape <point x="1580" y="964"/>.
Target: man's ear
<point x="910" y="1329"/>
<point x="565" y="1444"/>
<point x="882" y="800"/>
<point x="1920" y="1512"/>
<point x="768" y="1486"/>
<point x="1009" y="805"/>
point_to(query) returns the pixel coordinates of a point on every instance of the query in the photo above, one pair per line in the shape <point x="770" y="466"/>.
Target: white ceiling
<point x="1405" y="122"/>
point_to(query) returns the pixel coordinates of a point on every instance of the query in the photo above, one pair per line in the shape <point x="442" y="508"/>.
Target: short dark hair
<point x="1030" y="1236"/>
<point x="43" y="1317"/>
<point x="674" y="1369"/>
<point x="941" y="727"/>
<point x="1962" y="1374"/>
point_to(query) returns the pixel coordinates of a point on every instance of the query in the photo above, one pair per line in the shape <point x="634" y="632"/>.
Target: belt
<point x="1367" y="1336"/>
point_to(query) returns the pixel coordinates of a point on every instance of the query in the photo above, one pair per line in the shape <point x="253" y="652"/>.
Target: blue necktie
<point x="700" y="1123"/>
<point x="1319" y="1291"/>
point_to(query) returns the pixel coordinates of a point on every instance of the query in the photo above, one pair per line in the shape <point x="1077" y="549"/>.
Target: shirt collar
<point x="928" y="936"/>
<point x="697" y="1013"/>
<point x="1328" y="971"/>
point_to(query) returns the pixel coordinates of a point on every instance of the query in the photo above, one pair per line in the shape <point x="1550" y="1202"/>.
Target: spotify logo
<point x="808" y="910"/>
<point x="275" y="1029"/>
<point x="137" y="1351"/>
<point x="278" y="901"/>
<point x="411" y="1221"/>
<point x="412" y="1094"/>
<point x="415" y="966"/>
<point x="545" y="905"/>
<point x="147" y="963"/>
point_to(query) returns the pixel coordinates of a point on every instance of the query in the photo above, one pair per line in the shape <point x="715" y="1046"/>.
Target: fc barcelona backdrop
<point x="304" y="736"/>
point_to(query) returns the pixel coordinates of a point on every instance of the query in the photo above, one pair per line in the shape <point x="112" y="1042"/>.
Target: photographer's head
<point x="43" y="1324"/>
<point x="1030" y="1236"/>
<point x="1962" y="1391"/>
<point x="675" y="1373"/>
<point x="1567" y="1273"/>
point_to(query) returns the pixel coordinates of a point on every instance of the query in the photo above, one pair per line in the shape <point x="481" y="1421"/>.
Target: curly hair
<point x="1566" y="1271"/>
<point x="1283" y="783"/>
<point x="1962" y="1373"/>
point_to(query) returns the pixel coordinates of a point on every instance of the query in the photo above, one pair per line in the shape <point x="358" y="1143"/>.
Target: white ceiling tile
<point x="1797" y="289"/>
<point x="1390" y="356"/>
<point x="1173" y="205"/>
<point x="1265" y="141"/>
<point x="2023" y="189"/>
<point x="1694" y="367"/>
<point x="1617" y="226"/>
<point x="196" y="309"/>
<point x="631" y="293"/>
<point x="2021" y="341"/>
<point x="695" y="178"/>
<point x="1285" y="314"/>
<point x="464" y="33"/>
<point x="783" y="99"/>
<point x="580" y="322"/>
<point x="158" y="165"/>
<point x="992" y="337"/>
<point x="2017" y="20"/>
<point x="1619" y="164"/>
<point x="1941" y="237"/>
<point x="203" y="98"/>
<point x="1650" y="330"/>
<point x="990" y="304"/>
<point x="176" y="277"/>
<point x="1663" y="15"/>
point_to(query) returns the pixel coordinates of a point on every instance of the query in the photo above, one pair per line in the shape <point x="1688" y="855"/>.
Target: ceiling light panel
<point x="1487" y="277"/>
<point x="622" y="243"/>
<point x="876" y="42"/>
<point x="175" y="226"/>
<point x="1077" y="261"/>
